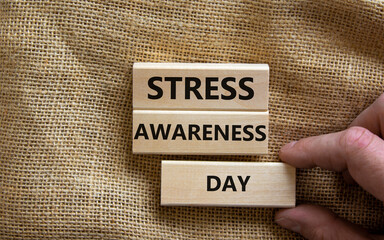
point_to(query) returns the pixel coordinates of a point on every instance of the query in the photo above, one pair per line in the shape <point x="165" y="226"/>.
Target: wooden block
<point x="200" y="132"/>
<point x="241" y="184"/>
<point x="200" y="86"/>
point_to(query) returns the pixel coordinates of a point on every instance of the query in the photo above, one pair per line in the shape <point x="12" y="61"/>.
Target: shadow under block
<point x="200" y="86"/>
<point x="200" y="132"/>
<point x="241" y="184"/>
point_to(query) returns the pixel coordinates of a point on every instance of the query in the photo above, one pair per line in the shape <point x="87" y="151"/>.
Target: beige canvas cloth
<point x="66" y="165"/>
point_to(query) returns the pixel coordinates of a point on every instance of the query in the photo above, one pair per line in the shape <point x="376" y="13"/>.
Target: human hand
<point x="357" y="152"/>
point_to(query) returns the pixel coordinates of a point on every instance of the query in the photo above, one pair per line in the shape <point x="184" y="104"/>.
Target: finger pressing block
<point x="241" y="184"/>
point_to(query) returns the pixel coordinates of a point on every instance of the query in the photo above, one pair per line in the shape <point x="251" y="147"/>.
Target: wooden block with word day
<point x="200" y="86"/>
<point x="241" y="184"/>
<point x="200" y="132"/>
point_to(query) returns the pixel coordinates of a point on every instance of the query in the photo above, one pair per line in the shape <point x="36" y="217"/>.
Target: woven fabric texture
<point x="66" y="166"/>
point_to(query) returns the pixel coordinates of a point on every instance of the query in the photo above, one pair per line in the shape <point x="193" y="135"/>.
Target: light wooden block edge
<point x="289" y="205"/>
<point x="257" y="148"/>
<point x="259" y="102"/>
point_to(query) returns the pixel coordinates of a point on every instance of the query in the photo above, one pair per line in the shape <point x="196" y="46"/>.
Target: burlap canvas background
<point x="66" y="165"/>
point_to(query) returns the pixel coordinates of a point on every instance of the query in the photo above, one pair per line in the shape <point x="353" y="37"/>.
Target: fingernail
<point x="289" y="145"/>
<point x="288" y="224"/>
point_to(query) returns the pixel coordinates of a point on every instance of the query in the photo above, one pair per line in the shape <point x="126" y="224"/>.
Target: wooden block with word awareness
<point x="200" y="86"/>
<point x="200" y="132"/>
<point x="240" y="184"/>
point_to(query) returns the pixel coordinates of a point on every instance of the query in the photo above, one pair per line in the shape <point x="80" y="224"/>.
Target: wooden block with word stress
<point x="240" y="184"/>
<point x="200" y="132"/>
<point x="200" y="86"/>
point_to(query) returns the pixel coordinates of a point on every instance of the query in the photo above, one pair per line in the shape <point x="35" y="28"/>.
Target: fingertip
<point x="284" y="219"/>
<point x="315" y="222"/>
<point x="281" y="213"/>
<point x="303" y="218"/>
<point x="297" y="213"/>
<point x="289" y="146"/>
<point x="286" y="149"/>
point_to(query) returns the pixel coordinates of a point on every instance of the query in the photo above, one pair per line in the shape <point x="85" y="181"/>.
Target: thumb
<point x="314" y="222"/>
